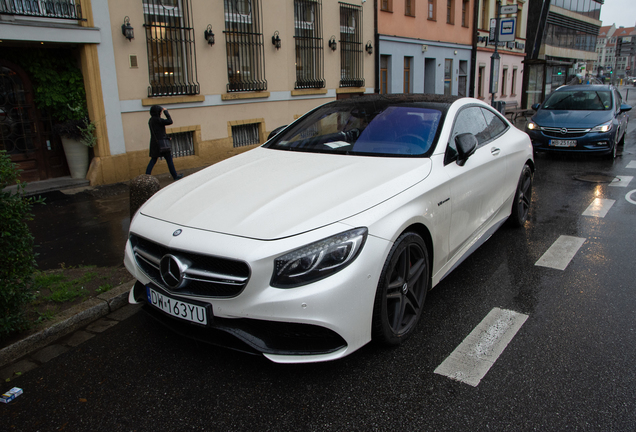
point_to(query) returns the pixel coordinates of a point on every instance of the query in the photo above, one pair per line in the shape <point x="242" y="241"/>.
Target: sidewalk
<point x="67" y="330"/>
<point x="77" y="219"/>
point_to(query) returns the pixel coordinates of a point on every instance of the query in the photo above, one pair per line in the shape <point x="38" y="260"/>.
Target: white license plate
<point x="177" y="308"/>
<point x="563" y="143"/>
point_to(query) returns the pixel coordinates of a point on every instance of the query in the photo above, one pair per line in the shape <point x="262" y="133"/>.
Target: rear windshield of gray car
<point x="588" y="100"/>
<point x="369" y="130"/>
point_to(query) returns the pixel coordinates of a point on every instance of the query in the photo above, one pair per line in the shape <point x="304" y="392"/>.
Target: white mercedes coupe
<point x="330" y="234"/>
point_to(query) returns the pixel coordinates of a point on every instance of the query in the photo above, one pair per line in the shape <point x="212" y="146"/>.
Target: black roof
<point x="440" y="101"/>
<point x="583" y="87"/>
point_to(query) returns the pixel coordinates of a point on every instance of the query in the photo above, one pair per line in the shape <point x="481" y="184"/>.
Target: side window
<point x="495" y="127"/>
<point x="618" y="99"/>
<point x="469" y="120"/>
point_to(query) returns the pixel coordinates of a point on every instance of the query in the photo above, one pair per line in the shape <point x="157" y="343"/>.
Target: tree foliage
<point x="16" y="250"/>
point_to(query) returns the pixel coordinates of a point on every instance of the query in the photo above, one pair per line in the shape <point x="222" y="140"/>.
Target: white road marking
<point x="628" y="197"/>
<point x="561" y="252"/>
<point x="621" y="181"/>
<point x="474" y="357"/>
<point x="599" y="207"/>
<point x="632" y="164"/>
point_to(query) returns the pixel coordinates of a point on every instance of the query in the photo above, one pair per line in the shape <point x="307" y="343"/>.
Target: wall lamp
<point x="276" y="40"/>
<point x="332" y="43"/>
<point x="209" y="35"/>
<point x="127" y="30"/>
<point x="369" y="47"/>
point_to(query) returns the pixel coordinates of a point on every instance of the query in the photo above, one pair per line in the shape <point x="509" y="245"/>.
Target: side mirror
<point x="466" y="144"/>
<point x="275" y="132"/>
<point x="536" y="106"/>
<point x="625" y="108"/>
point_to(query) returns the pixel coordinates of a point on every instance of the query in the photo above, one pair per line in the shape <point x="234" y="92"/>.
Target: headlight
<point x="605" y="127"/>
<point x="318" y="260"/>
<point x="532" y="126"/>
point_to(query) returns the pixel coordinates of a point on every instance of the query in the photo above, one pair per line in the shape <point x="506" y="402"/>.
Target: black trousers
<point x="168" y="158"/>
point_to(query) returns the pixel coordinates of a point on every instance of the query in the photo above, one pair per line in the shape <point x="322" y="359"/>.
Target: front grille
<point x="206" y="276"/>
<point x="556" y="132"/>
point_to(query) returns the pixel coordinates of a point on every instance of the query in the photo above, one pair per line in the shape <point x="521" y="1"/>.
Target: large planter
<point x="77" y="157"/>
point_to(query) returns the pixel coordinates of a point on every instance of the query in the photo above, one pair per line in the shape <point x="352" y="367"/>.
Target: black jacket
<point x="157" y="127"/>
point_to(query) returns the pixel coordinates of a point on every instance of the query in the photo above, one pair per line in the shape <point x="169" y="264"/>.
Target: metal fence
<point x="309" y="44"/>
<point x="61" y="9"/>
<point x="244" y="46"/>
<point x="182" y="144"/>
<point x="172" y="66"/>
<point x="244" y="135"/>
<point x="351" y="46"/>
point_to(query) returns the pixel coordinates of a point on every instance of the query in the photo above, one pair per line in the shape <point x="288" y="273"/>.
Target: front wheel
<point x="523" y="197"/>
<point x="401" y="291"/>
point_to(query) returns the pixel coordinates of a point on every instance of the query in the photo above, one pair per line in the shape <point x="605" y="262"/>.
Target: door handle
<point x="494" y="151"/>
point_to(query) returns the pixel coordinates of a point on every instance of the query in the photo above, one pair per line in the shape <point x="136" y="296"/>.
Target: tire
<point x="523" y="198"/>
<point x="399" y="299"/>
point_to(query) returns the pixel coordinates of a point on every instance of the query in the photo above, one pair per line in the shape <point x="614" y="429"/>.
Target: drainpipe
<point x="376" y="56"/>
<point x="473" y="53"/>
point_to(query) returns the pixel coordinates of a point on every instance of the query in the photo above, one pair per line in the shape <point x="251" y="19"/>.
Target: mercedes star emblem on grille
<point x="172" y="271"/>
<point x="177" y="232"/>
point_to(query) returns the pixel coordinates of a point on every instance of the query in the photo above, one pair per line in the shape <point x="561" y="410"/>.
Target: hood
<point x="571" y="119"/>
<point x="269" y="194"/>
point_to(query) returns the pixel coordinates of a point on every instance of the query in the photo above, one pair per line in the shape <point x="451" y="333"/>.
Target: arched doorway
<point x="25" y="133"/>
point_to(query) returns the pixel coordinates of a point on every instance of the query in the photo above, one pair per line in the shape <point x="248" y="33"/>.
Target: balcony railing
<point x="62" y="9"/>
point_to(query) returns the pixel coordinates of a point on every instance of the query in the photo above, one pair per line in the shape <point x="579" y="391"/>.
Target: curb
<point x="68" y="321"/>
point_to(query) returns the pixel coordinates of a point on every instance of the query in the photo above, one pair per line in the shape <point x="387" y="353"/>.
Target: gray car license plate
<point x="177" y="308"/>
<point x="563" y="143"/>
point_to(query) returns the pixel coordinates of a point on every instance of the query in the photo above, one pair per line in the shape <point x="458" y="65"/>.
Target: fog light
<point x="602" y="144"/>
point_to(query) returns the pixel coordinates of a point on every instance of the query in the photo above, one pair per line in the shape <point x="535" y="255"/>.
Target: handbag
<point x="164" y="145"/>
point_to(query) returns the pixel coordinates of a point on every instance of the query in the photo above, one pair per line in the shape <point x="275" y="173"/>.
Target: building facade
<point x="424" y="46"/>
<point x="511" y="53"/>
<point x="561" y="44"/>
<point x="604" y="51"/>
<point x="623" y="43"/>
<point x="228" y="71"/>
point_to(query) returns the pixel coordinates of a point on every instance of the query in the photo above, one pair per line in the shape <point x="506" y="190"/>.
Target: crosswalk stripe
<point x="599" y="207"/>
<point x="632" y="164"/>
<point x="474" y="357"/>
<point x="621" y="181"/>
<point x="561" y="252"/>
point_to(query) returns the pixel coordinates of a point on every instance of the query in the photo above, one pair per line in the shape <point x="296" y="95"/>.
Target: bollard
<point x="141" y="189"/>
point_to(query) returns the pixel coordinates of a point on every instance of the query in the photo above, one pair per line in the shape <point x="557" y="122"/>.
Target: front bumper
<point x="591" y="142"/>
<point x="325" y="320"/>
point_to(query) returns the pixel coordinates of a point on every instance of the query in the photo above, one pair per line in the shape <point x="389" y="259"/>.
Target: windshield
<point x="363" y="129"/>
<point x="588" y="100"/>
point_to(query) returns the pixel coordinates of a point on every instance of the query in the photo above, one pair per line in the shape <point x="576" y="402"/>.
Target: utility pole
<point x="495" y="59"/>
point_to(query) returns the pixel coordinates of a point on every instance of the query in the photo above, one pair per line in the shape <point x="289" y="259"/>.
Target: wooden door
<point x="28" y="140"/>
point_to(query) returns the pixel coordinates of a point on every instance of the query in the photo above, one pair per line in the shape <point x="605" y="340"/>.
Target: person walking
<point x="157" y="127"/>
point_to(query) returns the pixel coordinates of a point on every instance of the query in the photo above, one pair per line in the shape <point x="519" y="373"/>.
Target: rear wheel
<point x="523" y="197"/>
<point x="401" y="291"/>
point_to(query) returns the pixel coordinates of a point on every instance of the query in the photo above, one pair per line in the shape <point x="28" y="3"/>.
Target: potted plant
<point x="77" y="137"/>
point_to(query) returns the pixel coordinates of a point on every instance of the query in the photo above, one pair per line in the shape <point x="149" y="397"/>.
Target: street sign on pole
<point x="493" y="29"/>
<point x="507" y="27"/>
<point x="510" y="9"/>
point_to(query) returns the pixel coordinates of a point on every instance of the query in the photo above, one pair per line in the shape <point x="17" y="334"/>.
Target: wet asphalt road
<point x="570" y="367"/>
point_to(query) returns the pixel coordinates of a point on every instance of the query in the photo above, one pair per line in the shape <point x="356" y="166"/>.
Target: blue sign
<point x="507" y="29"/>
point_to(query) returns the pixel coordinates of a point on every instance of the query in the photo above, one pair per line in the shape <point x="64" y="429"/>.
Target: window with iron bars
<point x="172" y="66"/>
<point x="309" y="44"/>
<point x="244" y="46"/>
<point x="182" y="144"/>
<point x="351" y="73"/>
<point x="65" y="9"/>
<point x="246" y="134"/>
